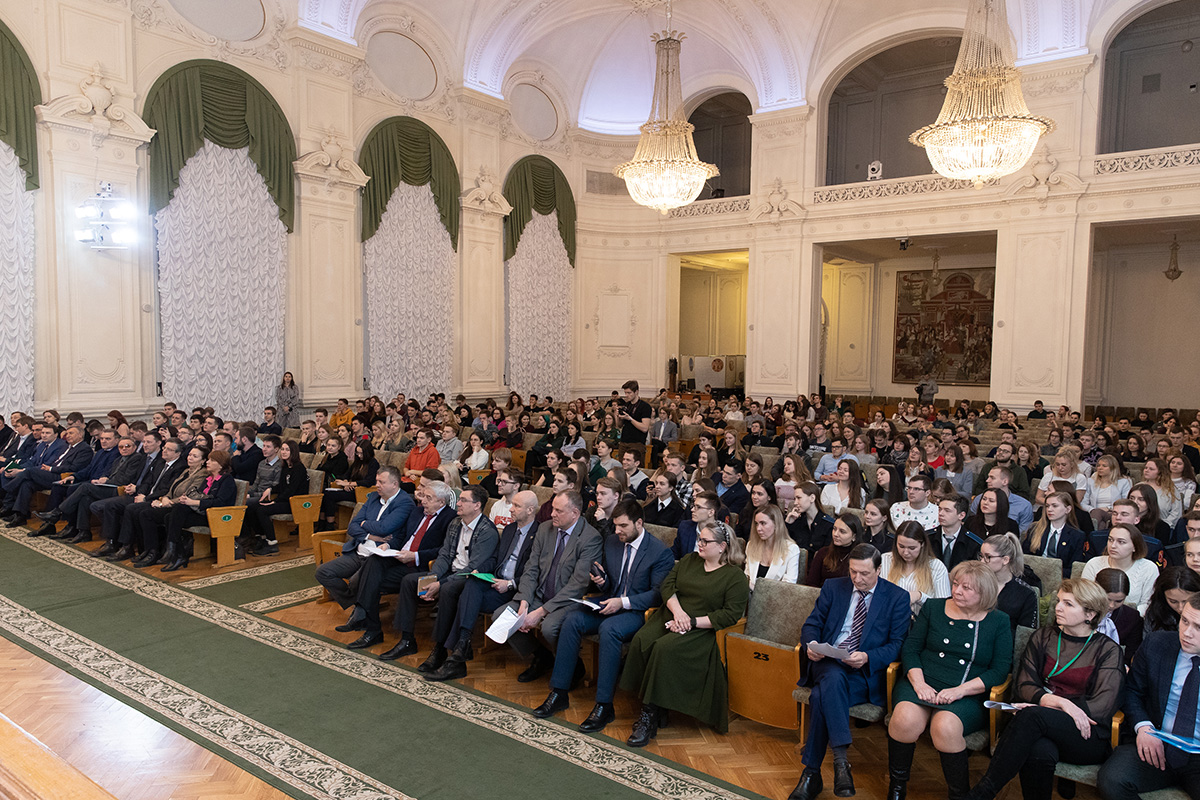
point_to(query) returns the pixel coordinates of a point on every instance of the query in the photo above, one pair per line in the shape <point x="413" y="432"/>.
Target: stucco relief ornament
<point x="485" y="196"/>
<point x="1044" y="173"/>
<point x="777" y="205"/>
<point x="97" y="108"/>
<point x="332" y="163"/>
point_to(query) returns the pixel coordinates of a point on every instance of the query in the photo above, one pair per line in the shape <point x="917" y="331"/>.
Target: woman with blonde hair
<point x="957" y="651"/>
<point x="1105" y="486"/>
<point x="911" y="566"/>
<point x="1063" y="467"/>
<point x="1057" y="534"/>
<point x="1002" y="555"/>
<point x="770" y="552"/>
<point x="730" y="448"/>
<point x="1156" y="473"/>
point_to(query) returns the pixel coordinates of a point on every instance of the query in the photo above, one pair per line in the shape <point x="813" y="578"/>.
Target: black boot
<point x="1037" y="781"/>
<point x="124" y="553"/>
<point x="81" y="536"/>
<point x="147" y="559"/>
<point x="462" y="651"/>
<point x="169" y="555"/>
<point x="177" y="564"/>
<point x="66" y="534"/>
<point x="107" y="549"/>
<point x="435" y="659"/>
<point x="957" y="773"/>
<point x="645" y="728"/>
<point x="900" y="758"/>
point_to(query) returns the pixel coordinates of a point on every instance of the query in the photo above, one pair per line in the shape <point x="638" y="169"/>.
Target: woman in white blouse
<point x="1104" y="488"/>
<point x="846" y="491"/>
<point x="770" y="552"/>
<point x="1064" y="467"/>
<point x="911" y="566"/>
<point x="1183" y="476"/>
<point x="1127" y="552"/>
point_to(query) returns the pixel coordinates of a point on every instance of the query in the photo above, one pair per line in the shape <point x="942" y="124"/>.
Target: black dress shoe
<point x="65" y="534"/>
<point x="452" y="670"/>
<point x="645" y="728"/>
<point x="368" y="639"/>
<point x="433" y="663"/>
<point x="124" y="553"/>
<point x="46" y="530"/>
<point x="357" y="622"/>
<point x="555" y="701"/>
<point x="843" y="781"/>
<point x="81" y="536"/>
<point x="107" y="549"/>
<point x="536" y="669"/>
<point x="602" y="714"/>
<point x="147" y="560"/>
<point x="12" y="518"/>
<point x="405" y="647"/>
<point x="462" y="651"/>
<point x="49" y="516"/>
<point x="177" y="564"/>
<point x="809" y="787"/>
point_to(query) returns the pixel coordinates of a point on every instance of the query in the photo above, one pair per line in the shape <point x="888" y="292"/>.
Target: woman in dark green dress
<point x="958" y="649"/>
<point x="673" y="660"/>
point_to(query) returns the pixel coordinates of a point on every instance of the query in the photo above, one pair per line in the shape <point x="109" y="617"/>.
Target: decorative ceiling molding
<point x="269" y="46"/>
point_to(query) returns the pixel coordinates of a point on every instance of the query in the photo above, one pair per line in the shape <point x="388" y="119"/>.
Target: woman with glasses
<point x="1002" y="555"/>
<point x="674" y="662"/>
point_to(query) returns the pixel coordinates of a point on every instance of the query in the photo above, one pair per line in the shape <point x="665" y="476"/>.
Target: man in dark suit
<point x="115" y="502"/>
<point x="469" y="546"/>
<point x="559" y="569"/>
<point x="74" y="457"/>
<point x="22" y="443"/>
<point x="86" y="489"/>
<point x="245" y="462"/>
<point x="949" y="541"/>
<point x="869" y="617"/>
<point x="47" y="447"/>
<point x="635" y="564"/>
<point x="381" y="518"/>
<point x="731" y="490"/>
<point x="156" y="481"/>
<point x="460" y="604"/>
<point x="1161" y="692"/>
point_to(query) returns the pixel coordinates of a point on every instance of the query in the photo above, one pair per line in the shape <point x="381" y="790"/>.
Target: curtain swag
<point x="199" y="100"/>
<point x="535" y="183"/>
<point x="405" y="149"/>
<point x="19" y="94"/>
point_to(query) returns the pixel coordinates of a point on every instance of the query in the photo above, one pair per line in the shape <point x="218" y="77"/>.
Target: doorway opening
<point x="712" y="321"/>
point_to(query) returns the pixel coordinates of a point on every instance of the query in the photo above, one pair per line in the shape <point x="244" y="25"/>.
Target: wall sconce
<point x="1172" y="271"/>
<point x="108" y="221"/>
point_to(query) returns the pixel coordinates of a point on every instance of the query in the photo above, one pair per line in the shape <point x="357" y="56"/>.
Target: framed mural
<point x="944" y="326"/>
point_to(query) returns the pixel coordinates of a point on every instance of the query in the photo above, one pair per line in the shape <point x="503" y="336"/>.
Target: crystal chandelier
<point x="665" y="172"/>
<point x="985" y="130"/>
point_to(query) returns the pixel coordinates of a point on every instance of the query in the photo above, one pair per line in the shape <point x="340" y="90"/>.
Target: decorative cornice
<point x="607" y="148"/>
<point x="1147" y="161"/>
<point x="708" y="208"/>
<point x="95" y="111"/>
<point x="268" y="46"/>
<point x="895" y="187"/>
<point x="485" y="197"/>
<point x="1062" y="77"/>
<point x="331" y="165"/>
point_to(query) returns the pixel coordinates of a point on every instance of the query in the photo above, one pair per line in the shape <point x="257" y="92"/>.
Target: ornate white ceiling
<point x="598" y="56"/>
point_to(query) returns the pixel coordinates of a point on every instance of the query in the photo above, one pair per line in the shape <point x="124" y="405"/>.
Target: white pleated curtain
<point x="409" y="265"/>
<point x="222" y="279"/>
<point x="16" y="276"/>
<point x="538" y="285"/>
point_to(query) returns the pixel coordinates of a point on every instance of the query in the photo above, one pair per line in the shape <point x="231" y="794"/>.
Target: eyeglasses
<point x="987" y="559"/>
<point x="706" y="541"/>
<point x="507" y="483"/>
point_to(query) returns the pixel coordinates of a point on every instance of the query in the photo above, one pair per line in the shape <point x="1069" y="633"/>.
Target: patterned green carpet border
<point x="643" y="773"/>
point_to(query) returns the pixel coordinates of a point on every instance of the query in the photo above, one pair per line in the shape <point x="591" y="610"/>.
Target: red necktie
<point x="416" y="540"/>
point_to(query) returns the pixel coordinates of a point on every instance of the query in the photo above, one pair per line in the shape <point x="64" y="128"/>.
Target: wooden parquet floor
<point x="124" y="751"/>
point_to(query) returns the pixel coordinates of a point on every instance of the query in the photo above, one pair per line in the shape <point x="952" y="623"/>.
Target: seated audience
<point x="218" y="490"/>
<point x="833" y="560"/>
<point x="889" y="485"/>
<point x="152" y="516"/>
<point x="1054" y="535"/>
<point x="808" y="524"/>
<point x="663" y="507"/>
<point x="911" y="566"/>
<point x="1126" y="551"/>
<point x="730" y="489"/>
<point x="258" y="531"/>
<point x="992" y="515"/>
<point x="1175" y="585"/>
<point x="1105" y="486"/>
<point x="917" y="507"/>
<point x="770" y="552"/>
<point x="877" y="526"/>
<point x="1002" y="555"/>
<point x="125" y="471"/>
<point x="845" y="490"/>
<point x="270" y="424"/>
<point x="69" y="454"/>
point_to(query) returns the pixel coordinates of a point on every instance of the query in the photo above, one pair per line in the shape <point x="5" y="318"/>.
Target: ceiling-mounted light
<point x="108" y="221"/>
<point x="1173" y="271"/>
<point x="665" y="172"/>
<point x="985" y="130"/>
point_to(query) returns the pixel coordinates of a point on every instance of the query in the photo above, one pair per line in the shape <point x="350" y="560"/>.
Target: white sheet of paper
<point x="505" y="625"/>
<point x="370" y="548"/>
<point x="828" y="650"/>
<point x="1001" y="706"/>
<point x="590" y="604"/>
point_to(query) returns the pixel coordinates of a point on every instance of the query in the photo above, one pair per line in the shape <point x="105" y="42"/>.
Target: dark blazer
<point x="222" y="493"/>
<point x="125" y="469"/>
<point x="1149" y="681"/>
<point x="431" y="542"/>
<point x="160" y="478"/>
<point x="685" y="539"/>
<point x="395" y="516"/>
<point x="16" y="450"/>
<point x="293" y="481"/>
<point x="735" y="496"/>
<point x="883" y="635"/>
<point x="481" y="550"/>
<point x="812" y="536"/>
<point x="668" y="517"/>
<point x="508" y="540"/>
<point x="6" y="435"/>
<point x="1071" y="545"/>
<point x="966" y="546"/>
<point x="74" y="458"/>
<point x="574" y="566"/>
<point x="45" y="453"/>
<point x="1131" y="628"/>
<point x="245" y="463"/>
<point x="651" y="566"/>
<point x="99" y="466"/>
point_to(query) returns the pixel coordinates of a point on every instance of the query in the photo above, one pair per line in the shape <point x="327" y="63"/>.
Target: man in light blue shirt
<point x="1020" y="510"/>
<point x="826" y="470"/>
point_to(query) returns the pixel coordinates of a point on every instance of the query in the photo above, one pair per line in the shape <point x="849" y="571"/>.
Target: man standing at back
<point x="635" y="415"/>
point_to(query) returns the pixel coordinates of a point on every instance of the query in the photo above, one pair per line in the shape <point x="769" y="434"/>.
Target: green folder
<point x="483" y="576"/>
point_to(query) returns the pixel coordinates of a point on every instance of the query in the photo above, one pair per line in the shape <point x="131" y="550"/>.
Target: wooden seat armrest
<point x="998" y="693"/>
<point x="328" y="536"/>
<point x="1118" y="718"/>
<point x="893" y="675"/>
<point x="737" y="627"/>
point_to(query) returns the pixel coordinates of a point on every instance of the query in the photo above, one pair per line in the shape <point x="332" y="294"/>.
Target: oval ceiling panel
<point x="533" y="111"/>
<point x="402" y="65"/>
<point x="232" y="20"/>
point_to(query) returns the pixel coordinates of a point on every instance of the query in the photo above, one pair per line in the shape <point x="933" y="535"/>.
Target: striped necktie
<point x="858" y="623"/>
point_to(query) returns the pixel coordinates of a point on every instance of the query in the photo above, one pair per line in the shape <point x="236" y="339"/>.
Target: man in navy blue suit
<point x="1162" y="692"/>
<point x="72" y="457"/>
<point x="635" y="565"/>
<point x="868" y="616"/>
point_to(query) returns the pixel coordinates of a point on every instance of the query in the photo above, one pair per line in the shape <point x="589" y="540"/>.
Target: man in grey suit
<point x="557" y="571"/>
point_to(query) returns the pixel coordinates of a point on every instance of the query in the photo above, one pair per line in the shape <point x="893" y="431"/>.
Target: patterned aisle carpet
<point x="304" y="713"/>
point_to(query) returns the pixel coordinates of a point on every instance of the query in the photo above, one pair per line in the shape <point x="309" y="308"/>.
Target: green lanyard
<point x="1058" y="656"/>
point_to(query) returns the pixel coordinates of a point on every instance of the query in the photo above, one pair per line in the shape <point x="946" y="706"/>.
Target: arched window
<point x="879" y="103"/>
<point x="222" y="192"/>
<point x="539" y="253"/>
<point x="1150" y="81"/>
<point x="410" y="232"/>
<point x="18" y="180"/>
<point x="723" y="138"/>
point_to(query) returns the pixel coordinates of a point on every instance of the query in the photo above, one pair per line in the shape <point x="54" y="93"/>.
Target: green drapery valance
<point x="535" y="183"/>
<point x="199" y="100"/>
<point x="19" y="94"/>
<point x="406" y="149"/>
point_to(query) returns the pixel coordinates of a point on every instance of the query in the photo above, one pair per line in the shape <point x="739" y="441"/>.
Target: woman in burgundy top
<point x="1068" y="687"/>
